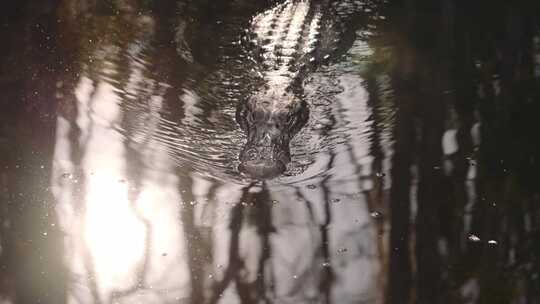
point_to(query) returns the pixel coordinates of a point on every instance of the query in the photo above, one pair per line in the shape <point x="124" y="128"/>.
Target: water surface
<point x="414" y="180"/>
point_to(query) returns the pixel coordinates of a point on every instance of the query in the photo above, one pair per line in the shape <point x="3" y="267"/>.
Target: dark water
<point x="415" y="179"/>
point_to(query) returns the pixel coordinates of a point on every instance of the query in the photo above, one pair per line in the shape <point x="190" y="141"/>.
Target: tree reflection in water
<point x="415" y="180"/>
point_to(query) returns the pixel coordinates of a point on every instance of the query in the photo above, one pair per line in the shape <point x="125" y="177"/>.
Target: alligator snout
<point x="263" y="169"/>
<point x="264" y="162"/>
<point x="270" y="124"/>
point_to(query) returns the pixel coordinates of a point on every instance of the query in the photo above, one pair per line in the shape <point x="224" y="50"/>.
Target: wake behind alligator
<point x="287" y="42"/>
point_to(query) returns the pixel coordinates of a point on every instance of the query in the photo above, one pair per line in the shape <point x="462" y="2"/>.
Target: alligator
<point x="286" y="42"/>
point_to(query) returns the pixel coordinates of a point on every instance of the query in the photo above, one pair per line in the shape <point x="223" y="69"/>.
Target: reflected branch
<point x="234" y="260"/>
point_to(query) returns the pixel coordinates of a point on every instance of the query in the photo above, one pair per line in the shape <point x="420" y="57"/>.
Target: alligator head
<point x="270" y="122"/>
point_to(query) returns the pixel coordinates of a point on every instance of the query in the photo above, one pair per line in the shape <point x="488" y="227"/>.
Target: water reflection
<point x="414" y="179"/>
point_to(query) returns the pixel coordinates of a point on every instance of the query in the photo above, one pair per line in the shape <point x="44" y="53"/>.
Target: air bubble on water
<point x="193" y="203"/>
<point x="376" y="214"/>
<point x="67" y="175"/>
<point x="45" y="233"/>
<point x="474" y="238"/>
<point x="210" y="276"/>
<point x="255" y="189"/>
<point x="380" y="174"/>
<point x="492" y="242"/>
<point x="342" y="250"/>
<point x="275" y="202"/>
<point x="295" y="277"/>
<point x="478" y="64"/>
<point x="325" y="264"/>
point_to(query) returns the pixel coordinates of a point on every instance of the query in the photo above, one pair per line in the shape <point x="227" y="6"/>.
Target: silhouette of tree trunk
<point x="31" y="248"/>
<point x="400" y="276"/>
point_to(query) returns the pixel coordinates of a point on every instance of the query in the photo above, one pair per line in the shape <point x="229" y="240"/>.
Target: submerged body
<point x="286" y="42"/>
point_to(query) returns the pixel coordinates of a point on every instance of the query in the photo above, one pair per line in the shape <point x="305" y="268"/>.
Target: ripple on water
<point x="205" y="139"/>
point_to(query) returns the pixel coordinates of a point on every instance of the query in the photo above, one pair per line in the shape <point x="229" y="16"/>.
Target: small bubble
<point x="210" y="276"/>
<point x="219" y="266"/>
<point x="380" y="174"/>
<point x="325" y="264"/>
<point x="311" y="187"/>
<point x="295" y="277"/>
<point x="193" y="203"/>
<point x="42" y="167"/>
<point x="45" y="233"/>
<point x="67" y="175"/>
<point x="335" y="201"/>
<point x="342" y="250"/>
<point x="275" y="202"/>
<point x="376" y="214"/>
<point x="492" y="242"/>
<point x="474" y="238"/>
<point x="255" y="189"/>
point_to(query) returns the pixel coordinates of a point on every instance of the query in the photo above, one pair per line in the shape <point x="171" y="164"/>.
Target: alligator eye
<point x="292" y="118"/>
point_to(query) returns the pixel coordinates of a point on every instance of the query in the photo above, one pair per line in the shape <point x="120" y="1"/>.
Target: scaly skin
<point x="286" y="41"/>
